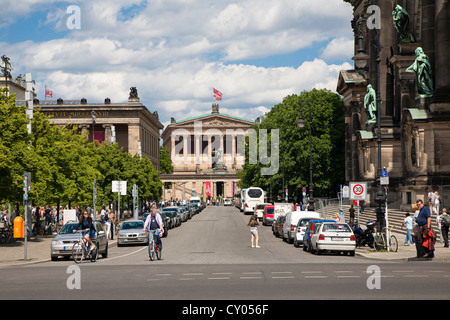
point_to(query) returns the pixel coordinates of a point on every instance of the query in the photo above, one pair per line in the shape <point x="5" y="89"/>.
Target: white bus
<point x="252" y="197"/>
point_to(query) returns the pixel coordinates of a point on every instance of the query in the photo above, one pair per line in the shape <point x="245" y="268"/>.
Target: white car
<point x="290" y="225"/>
<point x="227" y="202"/>
<point x="333" y="236"/>
<point x="301" y="229"/>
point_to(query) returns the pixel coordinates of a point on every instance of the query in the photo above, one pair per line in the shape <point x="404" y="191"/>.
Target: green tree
<point x="15" y="152"/>
<point x="327" y="145"/>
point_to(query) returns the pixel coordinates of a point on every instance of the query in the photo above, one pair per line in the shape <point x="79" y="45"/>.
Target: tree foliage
<point x="327" y="133"/>
<point x="63" y="163"/>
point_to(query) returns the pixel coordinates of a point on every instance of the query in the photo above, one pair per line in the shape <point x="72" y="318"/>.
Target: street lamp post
<point x="93" y="125"/>
<point x="301" y="123"/>
<point x="380" y="197"/>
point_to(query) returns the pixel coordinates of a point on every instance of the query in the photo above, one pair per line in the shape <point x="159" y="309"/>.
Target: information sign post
<point x="358" y="191"/>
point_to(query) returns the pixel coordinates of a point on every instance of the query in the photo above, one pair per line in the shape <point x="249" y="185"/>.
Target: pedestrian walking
<point x="253" y="224"/>
<point x="438" y="222"/>
<point x="445" y="224"/>
<point x="352" y="215"/>
<point x="425" y="239"/>
<point x="112" y="221"/>
<point x="408" y="223"/>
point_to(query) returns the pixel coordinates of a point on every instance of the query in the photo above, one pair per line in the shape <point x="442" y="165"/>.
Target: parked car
<point x="277" y="226"/>
<point x="62" y="244"/>
<point x="310" y="229"/>
<point x="290" y="225"/>
<point x="268" y="215"/>
<point x="131" y="232"/>
<point x="176" y="215"/>
<point x="227" y="202"/>
<point x="301" y="229"/>
<point x="259" y="210"/>
<point x="333" y="236"/>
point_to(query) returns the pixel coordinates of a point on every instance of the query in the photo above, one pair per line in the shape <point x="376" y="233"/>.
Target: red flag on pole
<point x="48" y="93"/>
<point x="217" y="94"/>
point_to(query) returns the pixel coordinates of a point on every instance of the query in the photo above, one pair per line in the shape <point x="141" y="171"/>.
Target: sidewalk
<point x="38" y="250"/>
<point x="405" y="253"/>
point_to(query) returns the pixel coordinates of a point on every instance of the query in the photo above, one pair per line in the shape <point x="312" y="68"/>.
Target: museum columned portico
<point x="206" y="152"/>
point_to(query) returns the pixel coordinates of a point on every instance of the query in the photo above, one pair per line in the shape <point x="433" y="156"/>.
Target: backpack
<point x="445" y="220"/>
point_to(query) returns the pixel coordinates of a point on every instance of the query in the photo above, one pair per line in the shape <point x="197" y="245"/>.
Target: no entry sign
<point x="358" y="190"/>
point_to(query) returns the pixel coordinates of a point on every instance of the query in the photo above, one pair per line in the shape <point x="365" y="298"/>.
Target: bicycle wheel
<point x="378" y="244"/>
<point x="151" y="249"/>
<point x="77" y="252"/>
<point x="39" y="230"/>
<point x="393" y="244"/>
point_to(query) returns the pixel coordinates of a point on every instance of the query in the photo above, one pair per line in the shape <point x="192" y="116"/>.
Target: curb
<point x="22" y="262"/>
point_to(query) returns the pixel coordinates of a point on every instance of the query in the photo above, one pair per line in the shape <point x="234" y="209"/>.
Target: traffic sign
<point x="358" y="190"/>
<point x="345" y="192"/>
<point x="120" y="186"/>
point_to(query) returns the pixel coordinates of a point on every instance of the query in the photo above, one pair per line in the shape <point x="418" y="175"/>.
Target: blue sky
<point x="175" y="51"/>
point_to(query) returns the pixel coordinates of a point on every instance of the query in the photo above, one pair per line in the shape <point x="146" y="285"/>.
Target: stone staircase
<point x="395" y="217"/>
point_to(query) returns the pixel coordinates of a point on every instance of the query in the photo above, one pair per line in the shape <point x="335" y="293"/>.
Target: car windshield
<point x="194" y="201"/>
<point x="304" y="222"/>
<point x="254" y="193"/>
<point x="68" y="228"/>
<point x="336" y="227"/>
<point x="132" y="225"/>
<point x="269" y="210"/>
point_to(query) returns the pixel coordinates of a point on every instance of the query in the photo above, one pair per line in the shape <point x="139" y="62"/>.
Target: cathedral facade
<point x="402" y="51"/>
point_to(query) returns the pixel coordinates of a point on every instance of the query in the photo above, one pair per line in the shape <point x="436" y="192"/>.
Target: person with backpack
<point x="445" y="224"/>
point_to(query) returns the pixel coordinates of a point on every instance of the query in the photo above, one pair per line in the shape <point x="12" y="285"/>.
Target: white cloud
<point x="339" y="49"/>
<point x="176" y="51"/>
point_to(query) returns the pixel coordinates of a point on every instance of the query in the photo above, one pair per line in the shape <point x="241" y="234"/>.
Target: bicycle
<point x="153" y="249"/>
<point x="81" y="252"/>
<point x="380" y="242"/>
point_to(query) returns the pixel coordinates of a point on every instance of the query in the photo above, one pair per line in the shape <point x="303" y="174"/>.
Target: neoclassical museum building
<point x="206" y="152"/>
<point x="402" y="49"/>
<point x="130" y="123"/>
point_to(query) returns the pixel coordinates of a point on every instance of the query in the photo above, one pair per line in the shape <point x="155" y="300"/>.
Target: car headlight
<point x="143" y="234"/>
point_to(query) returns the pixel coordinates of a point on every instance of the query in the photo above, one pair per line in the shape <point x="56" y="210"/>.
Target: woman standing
<point x="253" y="224"/>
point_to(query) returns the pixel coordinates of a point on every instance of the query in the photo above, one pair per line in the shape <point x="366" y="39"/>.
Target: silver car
<point x="63" y="242"/>
<point x="131" y="232"/>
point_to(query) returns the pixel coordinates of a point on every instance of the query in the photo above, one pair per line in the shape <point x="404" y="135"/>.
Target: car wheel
<point x="54" y="258"/>
<point x="296" y="243"/>
<point x="105" y="254"/>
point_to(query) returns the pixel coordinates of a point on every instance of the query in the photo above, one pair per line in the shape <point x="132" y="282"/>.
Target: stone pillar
<point x="84" y="128"/>
<point x="107" y="128"/>
<point x="133" y="138"/>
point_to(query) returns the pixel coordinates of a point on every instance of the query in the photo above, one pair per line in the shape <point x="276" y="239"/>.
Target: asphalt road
<point x="210" y="258"/>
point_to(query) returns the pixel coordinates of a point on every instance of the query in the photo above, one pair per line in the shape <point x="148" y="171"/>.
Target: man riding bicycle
<point x="155" y="225"/>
